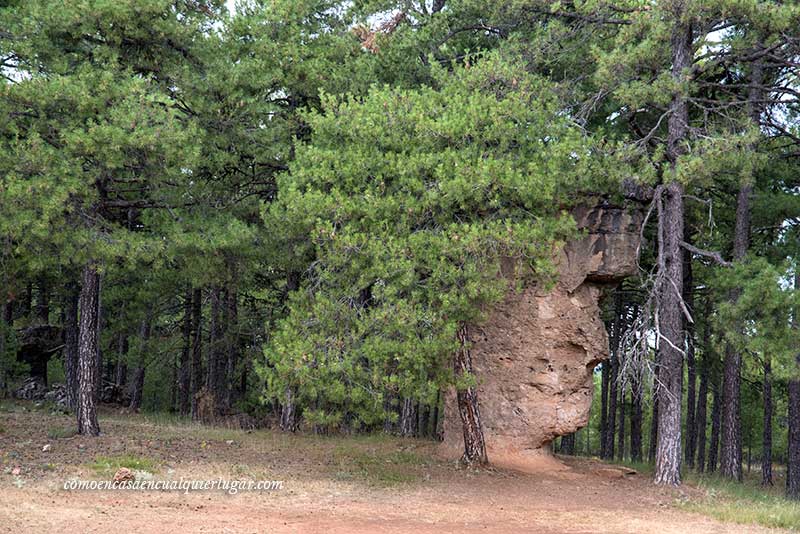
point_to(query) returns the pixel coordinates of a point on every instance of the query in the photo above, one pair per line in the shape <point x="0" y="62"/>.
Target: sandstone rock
<point x="124" y="474"/>
<point x="535" y="354"/>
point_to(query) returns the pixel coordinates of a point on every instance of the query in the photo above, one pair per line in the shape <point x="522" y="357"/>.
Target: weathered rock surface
<point x="534" y="356"/>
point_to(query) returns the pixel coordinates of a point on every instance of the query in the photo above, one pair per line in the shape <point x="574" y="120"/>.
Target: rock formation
<point x="534" y="355"/>
<point x="37" y="344"/>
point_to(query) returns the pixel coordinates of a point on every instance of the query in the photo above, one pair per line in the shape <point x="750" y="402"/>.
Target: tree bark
<point x="137" y="384"/>
<point x="196" y="378"/>
<point x="730" y="464"/>
<point x="87" y="352"/>
<point x="793" y="449"/>
<point x="215" y="372"/>
<point x="467" y="398"/>
<point x="184" y="372"/>
<point x="613" y="379"/>
<point x="671" y="225"/>
<point x="637" y="414"/>
<point x="668" y="446"/>
<point x="567" y="445"/>
<point x="605" y="374"/>
<point x="731" y="437"/>
<point x="688" y="298"/>
<point x="232" y="343"/>
<point x="621" y="431"/>
<point x="713" y="446"/>
<point x="651" y="450"/>
<point x="701" y="414"/>
<point x="288" y="416"/>
<point x="99" y="322"/>
<point x="7" y="317"/>
<point x="71" y="344"/>
<point x="423" y="414"/>
<point x="766" y="448"/>
<point x="408" y="418"/>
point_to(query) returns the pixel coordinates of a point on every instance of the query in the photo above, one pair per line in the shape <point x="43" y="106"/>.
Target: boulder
<point x="535" y="354"/>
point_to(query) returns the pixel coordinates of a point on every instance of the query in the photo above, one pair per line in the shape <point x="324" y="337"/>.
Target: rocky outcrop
<point x="534" y="356"/>
<point x="37" y="344"/>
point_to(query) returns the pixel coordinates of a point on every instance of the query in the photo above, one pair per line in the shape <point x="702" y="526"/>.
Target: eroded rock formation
<point x="535" y="354"/>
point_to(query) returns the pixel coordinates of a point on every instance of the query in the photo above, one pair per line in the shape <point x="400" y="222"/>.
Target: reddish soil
<point x="331" y="485"/>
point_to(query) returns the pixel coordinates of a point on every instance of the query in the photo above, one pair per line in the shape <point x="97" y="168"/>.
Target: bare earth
<point x="331" y="485"/>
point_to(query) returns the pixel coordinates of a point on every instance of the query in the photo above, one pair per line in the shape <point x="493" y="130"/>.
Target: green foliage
<point x="108" y="465"/>
<point x="411" y="199"/>
<point x="58" y="432"/>
<point x="759" y="321"/>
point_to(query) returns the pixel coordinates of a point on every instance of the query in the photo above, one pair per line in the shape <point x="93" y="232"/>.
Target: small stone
<point x="46" y="448"/>
<point x="124" y="474"/>
<point x="229" y="442"/>
<point x="16" y="471"/>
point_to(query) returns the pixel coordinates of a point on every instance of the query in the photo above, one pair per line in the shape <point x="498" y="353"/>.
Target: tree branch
<point x="707" y="253"/>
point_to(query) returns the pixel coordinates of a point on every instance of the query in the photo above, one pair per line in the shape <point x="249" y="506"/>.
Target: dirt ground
<point x="332" y="485"/>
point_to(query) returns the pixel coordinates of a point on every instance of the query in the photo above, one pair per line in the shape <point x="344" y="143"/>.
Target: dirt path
<point x="369" y="484"/>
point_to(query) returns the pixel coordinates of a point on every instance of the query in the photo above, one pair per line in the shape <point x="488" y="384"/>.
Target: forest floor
<point x="372" y="484"/>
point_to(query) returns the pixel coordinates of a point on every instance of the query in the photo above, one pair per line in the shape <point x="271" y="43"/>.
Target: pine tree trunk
<point x="196" y="378"/>
<point x="122" y="369"/>
<point x="87" y="352"/>
<point x="184" y="372"/>
<point x="730" y="461"/>
<point x="701" y="414"/>
<point x="688" y="297"/>
<point x="613" y="379"/>
<point x="99" y="374"/>
<point x="288" y="416"/>
<point x="137" y="384"/>
<point x="567" y="445"/>
<point x="713" y="446"/>
<point x="467" y="398"/>
<point x="435" y="419"/>
<point x="766" y="448"/>
<point x="671" y="224"/>
<point x="212" y="369"/>
<point x="651" y="450"/>
<point x="793" y="449"/>
<point x="71" y="344"/>
<point x="668" y="449"/>
<point x="232" y="337"/>
<point x="621" y="432"/>
<point x="604" y="384"/>
<point x="637" y="415"/>
<point x="7" y="317"/>
<point x="731" y="438"/>
<point x="423" y="414"/>
<point x="215" y="373"/>
<point x="408" y="418"/>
